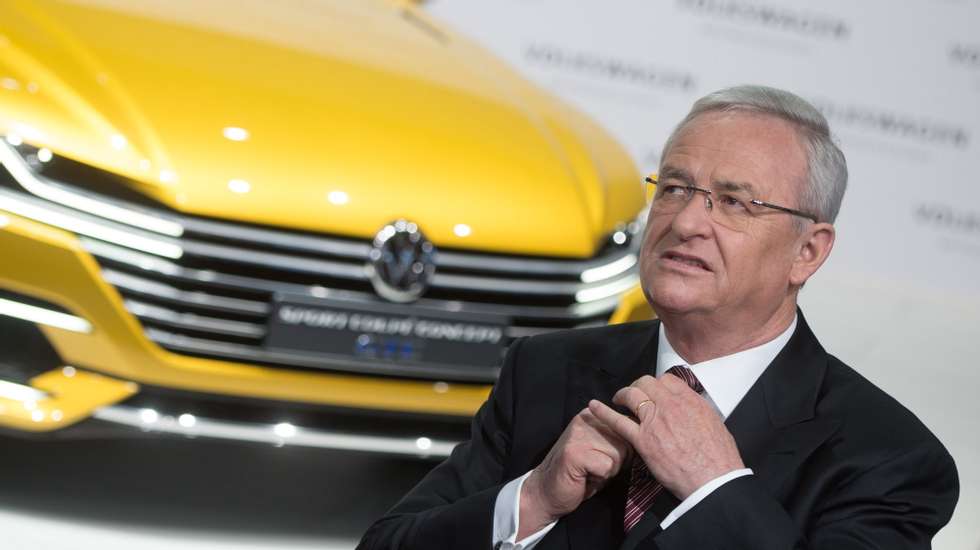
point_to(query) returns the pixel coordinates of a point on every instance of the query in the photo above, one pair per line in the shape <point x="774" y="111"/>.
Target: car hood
<point x="353" y="114"/>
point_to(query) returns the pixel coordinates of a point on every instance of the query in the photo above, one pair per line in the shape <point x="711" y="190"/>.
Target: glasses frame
<point x="757" y="202"/>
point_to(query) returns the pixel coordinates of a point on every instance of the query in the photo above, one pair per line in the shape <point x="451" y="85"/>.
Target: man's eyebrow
<point x="671" y="172"/>
<point x="726" y="185"/>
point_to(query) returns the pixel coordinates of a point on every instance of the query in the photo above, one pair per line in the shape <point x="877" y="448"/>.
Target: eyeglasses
<point x="736" y="209"/>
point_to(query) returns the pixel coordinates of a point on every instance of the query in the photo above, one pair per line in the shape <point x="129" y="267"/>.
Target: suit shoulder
<point x="594" y="344"/>
<point x="870" y="417"/>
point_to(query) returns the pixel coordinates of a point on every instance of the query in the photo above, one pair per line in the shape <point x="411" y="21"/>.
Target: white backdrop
<point x="900" y="84"/>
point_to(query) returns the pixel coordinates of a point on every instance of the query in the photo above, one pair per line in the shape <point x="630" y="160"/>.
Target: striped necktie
<point x="643" y="486"/>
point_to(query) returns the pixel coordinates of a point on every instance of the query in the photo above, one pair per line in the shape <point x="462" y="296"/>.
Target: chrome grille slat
<point x="517" y="266"/>
<point x="302" y="243"/>
<point x="212" y="279"/>
<point x="192" y="321"/>
<point x="131" y="284"/>
<point x="282" y="262"/>
<point x="85" y="223"/>
<point x="355" y="272"/>
<point x="358" y="251"/>
<point x="512" y="286"/>
<point x="167" y="268"/>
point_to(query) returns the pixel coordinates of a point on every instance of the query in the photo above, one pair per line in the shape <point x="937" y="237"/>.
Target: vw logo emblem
<point x="401" y="262"/>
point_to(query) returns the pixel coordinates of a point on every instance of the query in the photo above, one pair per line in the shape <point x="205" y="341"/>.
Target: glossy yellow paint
<point x="633" y="306"/>
<point x="373" y="99"/>
<point x="369" y="98"/>
<point x="72" y="395"/>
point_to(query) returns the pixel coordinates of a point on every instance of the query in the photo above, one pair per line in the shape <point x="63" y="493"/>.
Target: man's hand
<point x="680" y="437"/>
<point x="586" y="456"/>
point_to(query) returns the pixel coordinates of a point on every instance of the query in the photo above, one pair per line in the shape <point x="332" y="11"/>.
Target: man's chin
<point x="674" y="303"/>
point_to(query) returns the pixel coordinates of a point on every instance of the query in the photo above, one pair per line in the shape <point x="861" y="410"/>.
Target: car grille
<point x="214" y="300"/>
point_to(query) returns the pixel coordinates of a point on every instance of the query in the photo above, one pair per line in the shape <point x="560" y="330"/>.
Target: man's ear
<point x="814" y="245"/>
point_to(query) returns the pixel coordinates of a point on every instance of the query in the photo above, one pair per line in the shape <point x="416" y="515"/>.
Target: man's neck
<point x="699" y="338"/>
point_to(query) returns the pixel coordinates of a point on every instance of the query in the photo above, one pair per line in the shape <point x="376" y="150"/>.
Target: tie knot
<point x="687" y="376"/>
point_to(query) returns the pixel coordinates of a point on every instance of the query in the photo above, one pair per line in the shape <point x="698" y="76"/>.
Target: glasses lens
<point x="733" y="209"/>
<point x="730" y="209"/>
<point x="670" y="198"/>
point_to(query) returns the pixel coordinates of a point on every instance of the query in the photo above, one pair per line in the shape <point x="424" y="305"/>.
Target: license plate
<point x="384" y="332"/>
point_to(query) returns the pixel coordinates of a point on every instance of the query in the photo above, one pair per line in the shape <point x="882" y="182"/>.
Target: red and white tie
<point x="643" y="486"/>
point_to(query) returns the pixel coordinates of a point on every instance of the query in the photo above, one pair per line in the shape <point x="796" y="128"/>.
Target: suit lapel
<point x="775" y="425"/>
<point x="598" y="522"/>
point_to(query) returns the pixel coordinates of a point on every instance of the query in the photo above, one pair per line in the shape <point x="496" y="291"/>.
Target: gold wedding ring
<point x="640" y="406"/>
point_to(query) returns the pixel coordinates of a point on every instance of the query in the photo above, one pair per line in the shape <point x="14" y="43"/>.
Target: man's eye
<point x="732" y="201"/>
<point x="675" y="190"/>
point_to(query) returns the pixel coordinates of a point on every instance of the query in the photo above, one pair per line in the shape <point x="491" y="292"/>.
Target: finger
<point x="600" y="465"/>
<point x="667" y="384"/>
<point x="622" y="425"/>
<point x="643" y="381"/>
<point x="674" y="384"/>
<point x="610" y="442"/>
<point x="624" y="448"/>
<point x="629" y="397"/>
<point x="664" y="388"/>
<point x="649" y="385"/>
<point x="592" y="420"/>
<point x="635" y="401"/>
<point x="599" y="471"/>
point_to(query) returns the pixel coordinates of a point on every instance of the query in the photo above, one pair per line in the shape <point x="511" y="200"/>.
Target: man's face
<point x="690" y="264"/>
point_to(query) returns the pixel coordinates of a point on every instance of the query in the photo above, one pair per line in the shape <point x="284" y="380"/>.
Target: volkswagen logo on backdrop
<point x="401" y="262"/>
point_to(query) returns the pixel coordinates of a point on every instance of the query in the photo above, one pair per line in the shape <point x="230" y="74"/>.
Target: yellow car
<point x="318" y="226"/>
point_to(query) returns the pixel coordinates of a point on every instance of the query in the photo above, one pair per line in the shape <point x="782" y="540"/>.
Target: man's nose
<point x="694" y="219"/>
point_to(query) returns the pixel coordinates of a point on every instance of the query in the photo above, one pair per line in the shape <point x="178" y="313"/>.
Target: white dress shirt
<point x="726" y="380"/>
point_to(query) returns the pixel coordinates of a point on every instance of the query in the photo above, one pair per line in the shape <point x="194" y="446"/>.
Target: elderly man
<point x="724" y="424"/>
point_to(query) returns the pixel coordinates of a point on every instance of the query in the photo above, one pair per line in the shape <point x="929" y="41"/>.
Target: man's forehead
<point x="736" y="150"/>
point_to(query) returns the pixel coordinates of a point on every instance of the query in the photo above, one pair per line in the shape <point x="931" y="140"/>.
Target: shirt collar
<point x="726" y="379"/>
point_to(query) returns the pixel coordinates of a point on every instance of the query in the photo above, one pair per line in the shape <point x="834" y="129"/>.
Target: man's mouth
<point x="685" y="259"/>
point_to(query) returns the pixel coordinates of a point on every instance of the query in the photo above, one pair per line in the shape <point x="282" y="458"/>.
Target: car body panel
<point x="65" y="396"/>
<point x="414" y="115"/>
<point x="357" y="114"/>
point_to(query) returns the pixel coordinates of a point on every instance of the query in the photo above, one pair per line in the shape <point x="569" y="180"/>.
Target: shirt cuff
<point x="700" y="494"/>
<point x="506" y="519"/>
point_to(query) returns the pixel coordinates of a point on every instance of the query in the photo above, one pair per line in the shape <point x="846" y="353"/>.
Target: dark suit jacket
<point x="838" y="464"/>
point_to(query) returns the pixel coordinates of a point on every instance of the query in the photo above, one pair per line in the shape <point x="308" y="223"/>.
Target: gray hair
<point x="826" y="178"/>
